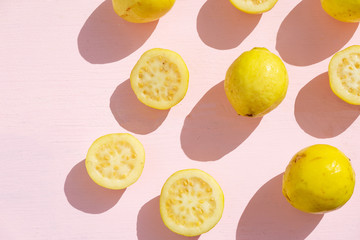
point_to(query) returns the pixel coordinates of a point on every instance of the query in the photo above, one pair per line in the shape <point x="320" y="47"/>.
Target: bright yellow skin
<point x="254" y="6"/>
<point x="343" y="10"/>
<point x="141" y="11"/>
<point x="256" y="82"/>
<point x="318" y="179"/>
<point x="344" y="74"/>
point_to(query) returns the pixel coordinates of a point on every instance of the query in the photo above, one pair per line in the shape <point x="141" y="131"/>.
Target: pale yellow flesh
<point x="344" y="74"/>
<point x="142" y="11"/>
<point x="160" y="78"/>
<point x="191" y="202"/>
<point x="115" y="161"/>
<point x="342" y="10"/>
<point x="318" y="179"/>
<point x="254" y="6"/>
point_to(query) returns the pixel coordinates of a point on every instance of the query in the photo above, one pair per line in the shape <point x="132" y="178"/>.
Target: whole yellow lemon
<point x="256" y="82"/>
<point x="343" y="10"/>
<point x="141" y="11"/>
<point x="318" y="179"/>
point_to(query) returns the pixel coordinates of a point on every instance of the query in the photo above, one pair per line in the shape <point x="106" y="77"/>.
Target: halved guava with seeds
<point x="191" y="202"/>
<point x="160" y="78"/>
<point x="344" y="74"/>
<point x="254" y="6"/>
<point x="115" y="160"/>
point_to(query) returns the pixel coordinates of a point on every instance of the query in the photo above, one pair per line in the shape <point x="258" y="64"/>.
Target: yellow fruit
<point x="343" y="10"/>
<point x="115" y="160"/>
<point x="254" y="6"/>
<point x="191" y="202"/>
<point x="344" y="74"/>
<point x="141" y="11"/>
<point x="160" y="78"/>
<point x="318" y="179"/>
<point x="256" y="82"/>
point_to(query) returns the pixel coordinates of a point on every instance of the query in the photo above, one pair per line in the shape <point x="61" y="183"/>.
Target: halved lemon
<point x="344" y="74"/>
<point x="191" y="202"/>
<point x="115" y="160"/>
<point x="160" y="78"/>
<point x="254" y="6"/>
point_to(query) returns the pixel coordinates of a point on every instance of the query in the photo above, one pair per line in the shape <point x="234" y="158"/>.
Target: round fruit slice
<point x="254" y="6"/>
<point x="115" y="160"/>
<point x="191" y="202"/>
<point x="344" y="74"/>
<point x="160" y="78"/>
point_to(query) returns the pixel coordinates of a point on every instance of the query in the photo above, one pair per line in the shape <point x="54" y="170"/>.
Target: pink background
<point x="64" y="72"/>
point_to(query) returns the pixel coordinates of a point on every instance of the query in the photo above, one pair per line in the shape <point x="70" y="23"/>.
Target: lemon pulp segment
<point x="160" y="78"/>
<point x="254" y="6"/>
<point x="344" y="74"/>
<point x="115" y="160"/>
<point x="191" y="202"/>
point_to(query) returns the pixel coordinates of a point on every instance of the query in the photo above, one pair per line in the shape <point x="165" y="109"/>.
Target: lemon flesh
<point x="254" y="6"/>
<point x="342" y="10"/>
<point x="160" y="78"/>
<point x="256" y="82"/>
<point x="344" y="74"/>
<point x="115" y="160"/>
<point x="318" y="179"/>
<point x="191" y="202"/>
<point x="141" y="11"/>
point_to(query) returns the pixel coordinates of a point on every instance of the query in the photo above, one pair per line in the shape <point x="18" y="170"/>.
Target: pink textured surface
<point x="64" y="72"/>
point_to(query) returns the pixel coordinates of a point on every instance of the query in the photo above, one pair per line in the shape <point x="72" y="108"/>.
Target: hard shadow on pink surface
<point x="220" y="25"/>
<point x="150" y="225"/>
<point x="308" y="35"/>
<point x="106" y="37"/>
<point x="132" y="114"/>
<point x="85" y="195"/>
<point x="213" y="129"/>
<point x="319" y="112"/>
<point x="268" y="216"/>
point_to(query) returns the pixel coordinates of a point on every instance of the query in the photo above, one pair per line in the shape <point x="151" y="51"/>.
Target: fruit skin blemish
<point x="318" y="179"/>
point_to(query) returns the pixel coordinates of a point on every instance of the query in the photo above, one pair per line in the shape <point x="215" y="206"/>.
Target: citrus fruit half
<point x="342" y="10"/>
<point x="344" y="74"/>
<point x="254" y="6"/>
<point x="115" y="160"/>
<point x="141" y="11"/>
<point x="256" y="82"/>
<point x="318" y="179"/>
<point x="191" y="202"/>
<point x="160" y="78"/>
